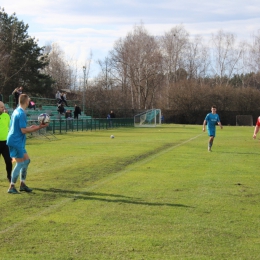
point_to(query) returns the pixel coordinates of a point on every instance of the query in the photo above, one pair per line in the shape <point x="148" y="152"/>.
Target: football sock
<point x="23" y="171"/>
<point x="15" y="172"/>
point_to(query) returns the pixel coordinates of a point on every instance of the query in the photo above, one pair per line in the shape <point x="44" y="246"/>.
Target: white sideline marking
<point x="91" y="188"/>
<point x="114" y="176"/>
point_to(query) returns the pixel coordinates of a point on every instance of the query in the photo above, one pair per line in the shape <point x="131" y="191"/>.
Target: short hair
<point x="213" y="106"/>
<point x="23" y="98"/>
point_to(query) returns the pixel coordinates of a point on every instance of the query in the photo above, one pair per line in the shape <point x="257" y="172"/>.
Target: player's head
<point x="2" y="107"/>
<point x="24" y="100"/>
<point x="213" y="109"/>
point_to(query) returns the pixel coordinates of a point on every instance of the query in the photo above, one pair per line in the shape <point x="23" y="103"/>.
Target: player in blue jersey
<point x="211" y="119"/>
<point x="16" y="142"/>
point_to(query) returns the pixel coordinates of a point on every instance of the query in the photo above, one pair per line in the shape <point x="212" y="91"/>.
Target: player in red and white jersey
<point x="257" y="125"/>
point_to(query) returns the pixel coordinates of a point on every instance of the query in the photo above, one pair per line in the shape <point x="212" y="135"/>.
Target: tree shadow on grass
<point x="115" y="198"/>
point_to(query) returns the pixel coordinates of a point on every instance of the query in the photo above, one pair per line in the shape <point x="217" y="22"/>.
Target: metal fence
<point x="69" y="125"/>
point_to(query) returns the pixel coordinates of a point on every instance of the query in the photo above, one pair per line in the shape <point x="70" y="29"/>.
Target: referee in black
<point x="4" y="150"/>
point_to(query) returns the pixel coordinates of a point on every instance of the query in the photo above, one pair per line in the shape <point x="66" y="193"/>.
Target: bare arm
<point x="15" y="91"/>
<point x="204" y="123"/>
<point x="255" y="131"/>
<point x="33" y="128"/>
<point x="219" y="123"/>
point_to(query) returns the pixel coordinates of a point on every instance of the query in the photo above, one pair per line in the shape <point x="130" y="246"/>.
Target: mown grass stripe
<point x="99" y="184"/>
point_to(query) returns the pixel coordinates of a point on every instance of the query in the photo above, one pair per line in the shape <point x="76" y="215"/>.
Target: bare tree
<point x="59" y="68"/>
<point x="254" y="50"/>
<point x="119" y="70"/>
<point x="138" y="57"/>
<point x="174" y="47"/>
<point x="105" y="78"/>
<point x="197" y="59"/>
<point x="86" y="68"/>
<point x="253" y="58"/>
<point x="226" y="56"/>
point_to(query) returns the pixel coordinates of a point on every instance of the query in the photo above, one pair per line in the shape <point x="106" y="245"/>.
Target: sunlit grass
<point x="153" y="193"/>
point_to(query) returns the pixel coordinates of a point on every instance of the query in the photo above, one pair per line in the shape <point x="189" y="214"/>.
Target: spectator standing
<point x="65" y="97"/>
<point x="17" y="92"/>
<point x="162" y="119"/>
<point x="112" y="116"/>
<point x="4" y="150"/>
<point x="61" y="109"/>
<point x="109" y="119"/>
<point x="77" y="111"/>
<point x="57" y="96"/>
<point x="62" y="99"/>
<point x="16" y="140"/>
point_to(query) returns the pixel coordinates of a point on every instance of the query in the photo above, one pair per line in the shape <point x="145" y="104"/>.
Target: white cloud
<point x="80" y="26"/>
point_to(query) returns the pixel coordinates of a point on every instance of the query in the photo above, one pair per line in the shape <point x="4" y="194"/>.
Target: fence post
<point x="60" y="126"/>
<point x="53" y="126"/>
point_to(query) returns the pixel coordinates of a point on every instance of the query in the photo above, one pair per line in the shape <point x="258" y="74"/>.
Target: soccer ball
<point x="43" y="118"/>
<point x="111" y="136"/>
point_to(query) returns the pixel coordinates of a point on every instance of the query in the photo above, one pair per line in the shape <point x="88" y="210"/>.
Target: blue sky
<point x="81" y="26"/>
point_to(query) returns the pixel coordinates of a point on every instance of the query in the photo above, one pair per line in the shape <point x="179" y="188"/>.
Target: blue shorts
<point x="211" y="132"/>
<point x="17" y="152"/>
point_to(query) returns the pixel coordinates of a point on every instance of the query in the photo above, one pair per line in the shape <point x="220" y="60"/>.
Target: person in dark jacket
<point x="61" y="109"/>
<point x="112" y="116"/>
<point x="17" y="92"/>
<point x="77" y="112"/>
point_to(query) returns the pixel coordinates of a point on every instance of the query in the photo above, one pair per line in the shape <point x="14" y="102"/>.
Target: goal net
<point x="149" y="118"/>
<point x="244" y="120"/>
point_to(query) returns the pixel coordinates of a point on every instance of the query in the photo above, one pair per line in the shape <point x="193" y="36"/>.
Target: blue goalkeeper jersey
<point x="212" y="120"/>
<point x="15" y="136"/>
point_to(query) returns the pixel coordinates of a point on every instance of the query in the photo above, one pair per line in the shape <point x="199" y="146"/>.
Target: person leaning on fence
<point x="162" y="119"/>
<point x="109" y="119"/>
<point x="257" y="125"/>
<point x="4" y="150"/>
<point x="16" y="141"/>
<point x="112" y="116"/>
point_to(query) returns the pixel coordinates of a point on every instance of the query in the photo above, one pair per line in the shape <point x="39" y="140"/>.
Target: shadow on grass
<point x="118" y="198"/>
<point x="249" y="153"/>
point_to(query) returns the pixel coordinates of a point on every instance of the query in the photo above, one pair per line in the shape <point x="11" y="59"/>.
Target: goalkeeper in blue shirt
<point x="16" y="140"/>
<point x="211" y="119"/>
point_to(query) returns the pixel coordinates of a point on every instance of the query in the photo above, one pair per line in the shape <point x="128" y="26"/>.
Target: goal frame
<point x="148" y="118"/>
<point x="244" y="120"/>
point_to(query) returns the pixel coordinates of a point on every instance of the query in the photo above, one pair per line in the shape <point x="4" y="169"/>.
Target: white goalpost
<point x="149" y="118"/>
<point x="244" y="120"/>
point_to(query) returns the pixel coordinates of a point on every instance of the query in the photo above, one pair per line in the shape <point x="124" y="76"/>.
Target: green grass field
<point x="149" y="193"/>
